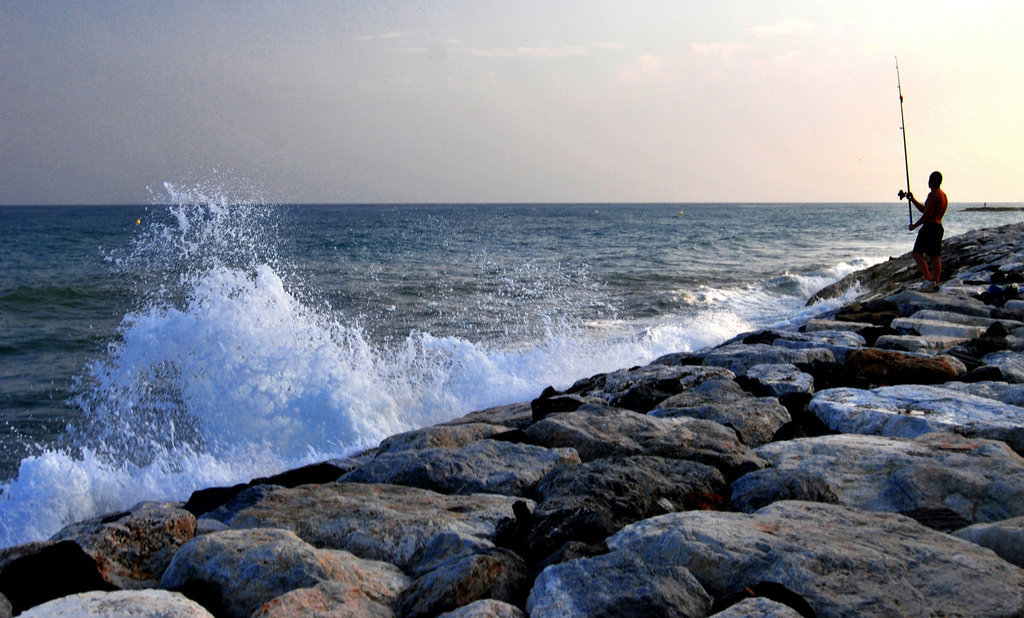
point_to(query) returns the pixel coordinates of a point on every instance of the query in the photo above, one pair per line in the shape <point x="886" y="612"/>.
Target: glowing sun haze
<point x="534" y="101"/>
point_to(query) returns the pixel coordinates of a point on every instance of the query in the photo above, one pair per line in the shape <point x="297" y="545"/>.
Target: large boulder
<point x="740" y="357"/>
<point x="840" y="561"/>
<point x="484" y="466"/>
<point x="486" y="608"/>
<point x="35" y="573"/>
<point x="133" y="549"/>
<point x="911" y="410"/>
<point x="121" y="603"/>
<point x="327" y="598"/>
<point x="381" y="522"/>
<point x="439" y="436"/>
<point x="978" y="480"/>
<point x="617" y="585"/>
<point x="598" y="431"/>
<point x="754" y="419"/>
<point x="235" y="572"/>
<point x="890" y="367"/>
<point x="641" y="388"/>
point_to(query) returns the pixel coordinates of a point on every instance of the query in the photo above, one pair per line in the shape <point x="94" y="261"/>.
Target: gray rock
<point x="781" y="379"/>
<point x="911" y="301"/>
<point x="133" y="549"/>
<point x="1011" y="394"/>
<point x="6" y="611"/>
<point x="754" y="419"/>
<point x="616" y="585"/>
<point x="916" y="344"/>
<point x="121" y="604"/>
<point x="240" y="570"/>
<point x="447" y="547"/>
<point x="839" y="342"/>
<point x="485" y="466"/>
<point x="1006" y="538"/>
<point x="515" y="415"/>
<point x="381" y="522"/>
<point x="758" y="607"/>
<point x="936" y="328"/>
<point x="1010" y="363"/>
<point x="758" y="489"/>
<point x="821" y="324"/>
<point x="440" y="436"/>
<point x="959" y="318"/>
<point x="841" y="561"/>
<point x="641" y="388"/>
<point x="486" y="608"/>
<point x="496" y="574"/>
<point x="912" y="410"/>
<point x="739" y="357"/>
<point x="596" y="432"/>
<point x="979" y="480"/>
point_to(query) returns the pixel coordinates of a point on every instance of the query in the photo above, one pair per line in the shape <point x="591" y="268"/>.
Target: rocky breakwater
<point x="868" y="462"/>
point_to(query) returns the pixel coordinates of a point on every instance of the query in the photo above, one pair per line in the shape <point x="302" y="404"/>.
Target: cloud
<point x="787" y="27"/>
<point x="642" y="67"/>
<point x="558" y="51"/>
<point x="721" y="50"/>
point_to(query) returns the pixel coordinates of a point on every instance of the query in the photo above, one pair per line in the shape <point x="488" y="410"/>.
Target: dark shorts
<point x="929" y="240"/>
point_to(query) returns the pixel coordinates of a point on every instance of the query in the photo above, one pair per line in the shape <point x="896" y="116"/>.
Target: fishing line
<point x="903" y="128"/>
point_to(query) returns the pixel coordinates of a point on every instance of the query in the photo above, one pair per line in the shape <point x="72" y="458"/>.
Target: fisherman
<point x="929" y="239"/>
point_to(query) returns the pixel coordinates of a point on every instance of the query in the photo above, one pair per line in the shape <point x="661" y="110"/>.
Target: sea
<point x="207" y="338"/>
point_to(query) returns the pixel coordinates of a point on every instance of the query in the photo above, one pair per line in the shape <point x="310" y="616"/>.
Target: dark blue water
<point x="146" y="351"/>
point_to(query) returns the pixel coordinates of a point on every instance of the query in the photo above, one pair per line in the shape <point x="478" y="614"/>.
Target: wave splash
<point x="221" y="373"/>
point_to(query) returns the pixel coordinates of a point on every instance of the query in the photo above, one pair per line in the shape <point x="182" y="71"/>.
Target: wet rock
<point x="597" y="432"/>
<point x="616" y="585"/>
<point x="516" y="416"/>
<point x="438" y="436"/>
<point x="133" y="549"/>
<point x="758" y="489"/>
<point x="41" y="572"/>
<point x="380" y="522"/>
<point x="1005" y="538"/>
<point x="838" y="342"/>
<point x="141" y="603"/>
<point x="937" y="328"/>
<point x="235" y="572"/>
<point x="888" y="367"/>
<point x="917" y="344"/>
<point x="978" y="480"/>
<point x="754" y="419"/>
<point x="641" y="388"/>
<point x="842" y="561"/>
<point x="486" y="466"/>
<point x="821" y="324"/>
<point x="553" y="402"/>
<point x="911" y="410"/>
<point x="495" y="574"/>
<point x="911" y="301"/>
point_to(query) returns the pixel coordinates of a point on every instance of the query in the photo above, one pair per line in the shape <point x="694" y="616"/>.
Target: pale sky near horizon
<point x="527" y="101"/>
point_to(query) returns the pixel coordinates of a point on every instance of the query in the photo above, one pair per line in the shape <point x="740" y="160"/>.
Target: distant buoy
<point x="138" y="221"/>
<point x="680" y="212"/>
<point x="595" y="212"/>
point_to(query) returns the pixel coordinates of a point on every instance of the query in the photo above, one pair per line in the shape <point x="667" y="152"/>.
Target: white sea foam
<point x="222" y="373"/>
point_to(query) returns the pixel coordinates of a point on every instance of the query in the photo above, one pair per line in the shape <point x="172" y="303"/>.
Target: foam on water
<point x="221" y="373"/>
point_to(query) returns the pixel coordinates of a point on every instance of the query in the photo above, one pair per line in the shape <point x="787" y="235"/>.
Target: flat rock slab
<point x="912" y="410"/>
<point x="911" y="301"/>
<point x="740" y="357"/>
<point x="380" y="522"/>
<point x="641" y="388"/>
<point x="841" y="561"/>
<point x="889" y="367"/>
<point x="936" y="328"/>
<point x="599" y="431"/>
<point x="754" y="419"/>
<point x="1010" y="363"/>
<point x="484" y="466"/>
<point x="979" y="480"/>
<point x="121" y="603"/>
<point x="782" y="379"/>
<point x="440" y="436"/>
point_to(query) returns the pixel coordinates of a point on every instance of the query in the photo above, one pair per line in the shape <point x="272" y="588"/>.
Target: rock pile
<point x="868" y="462"/>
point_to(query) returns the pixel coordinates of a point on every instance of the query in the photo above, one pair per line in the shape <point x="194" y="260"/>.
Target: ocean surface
<point x="148" y="351"/>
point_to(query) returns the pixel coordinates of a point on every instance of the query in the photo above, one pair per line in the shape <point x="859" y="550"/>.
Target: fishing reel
<point x="902" y="194"/>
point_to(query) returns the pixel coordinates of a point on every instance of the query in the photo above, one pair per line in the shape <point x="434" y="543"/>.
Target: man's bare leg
<point x="936" y="268"/>
<point x="922" y="265"/>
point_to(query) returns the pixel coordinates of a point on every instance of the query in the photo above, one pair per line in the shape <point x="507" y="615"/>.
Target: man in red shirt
<point x="929" y="239"/>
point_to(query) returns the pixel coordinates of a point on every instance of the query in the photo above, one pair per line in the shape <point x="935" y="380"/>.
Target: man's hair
<point x="935" y="179"/>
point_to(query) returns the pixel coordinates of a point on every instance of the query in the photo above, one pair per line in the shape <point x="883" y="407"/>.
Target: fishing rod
<point x="906" y="163"/>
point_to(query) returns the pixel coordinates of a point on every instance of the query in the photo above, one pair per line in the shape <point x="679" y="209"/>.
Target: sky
<point x="483" y="101"/>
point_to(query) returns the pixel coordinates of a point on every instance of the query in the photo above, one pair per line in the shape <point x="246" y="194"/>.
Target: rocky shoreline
<point x="867" y="462"/>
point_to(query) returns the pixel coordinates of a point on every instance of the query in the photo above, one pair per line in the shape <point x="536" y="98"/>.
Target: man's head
<point x="934" y="180"/>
